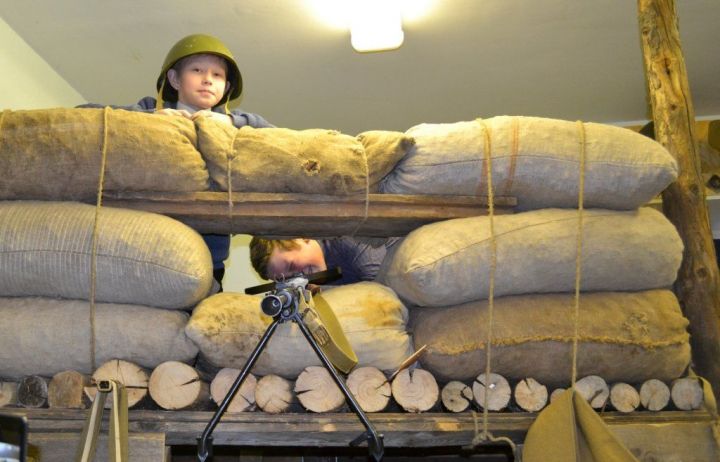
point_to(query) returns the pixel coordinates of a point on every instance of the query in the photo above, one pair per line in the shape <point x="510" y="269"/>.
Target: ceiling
<point x="567" y="59"/>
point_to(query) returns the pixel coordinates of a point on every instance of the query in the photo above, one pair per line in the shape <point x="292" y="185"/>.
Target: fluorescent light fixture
<point x="376" y="25"/>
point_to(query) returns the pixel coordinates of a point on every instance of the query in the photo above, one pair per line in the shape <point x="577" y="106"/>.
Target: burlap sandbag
<point x="228" y="326"/>
<point x="448" y="263"/>
<point x="44" y="336"/>
<point x="536" y="160"/>
<point x="142" y="258"/>
<point x="55" y="154"/>
<point x="314" y="161"/>
<point x="623" y="337"/>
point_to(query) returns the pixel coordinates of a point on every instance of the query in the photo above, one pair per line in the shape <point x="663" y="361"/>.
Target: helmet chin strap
<point x="159" y="103"/>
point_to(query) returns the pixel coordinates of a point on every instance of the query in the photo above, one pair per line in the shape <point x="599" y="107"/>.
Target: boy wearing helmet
<point x="198" y="78"/>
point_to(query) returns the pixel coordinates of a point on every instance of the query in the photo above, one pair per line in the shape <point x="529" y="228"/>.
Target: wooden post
<point x="684" y="201"/>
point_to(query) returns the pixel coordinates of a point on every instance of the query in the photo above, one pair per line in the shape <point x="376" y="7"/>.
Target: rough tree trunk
<point x="684" y="201"/>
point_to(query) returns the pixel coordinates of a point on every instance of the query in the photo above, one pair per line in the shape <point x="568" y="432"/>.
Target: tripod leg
<point x="375" y="441"/>
<point x="205" y="441"/>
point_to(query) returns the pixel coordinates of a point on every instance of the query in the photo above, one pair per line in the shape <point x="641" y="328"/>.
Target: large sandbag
<point x="314" y="161"/>
<point x="228" y="326"/>
<point x="623" y="337"/>
<point x="44" y="336"/>
<point x="536" y="160"/>
<point x="142" y="258"/>
<point x="448" y="263"/>
<point x="55" y="154"/>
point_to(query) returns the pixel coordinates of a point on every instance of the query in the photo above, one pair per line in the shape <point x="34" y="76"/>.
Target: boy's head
<point x="273" y="258"/>
<point x="173" y="84"/>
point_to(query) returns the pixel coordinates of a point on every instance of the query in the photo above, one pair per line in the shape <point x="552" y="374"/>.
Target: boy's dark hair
<point x="261" y="249"/>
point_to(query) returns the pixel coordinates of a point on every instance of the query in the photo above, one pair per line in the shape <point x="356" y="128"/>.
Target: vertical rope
<point x="230" y="158"/>
<point x="367" y="194"/>
<point x="578" y="252"/>
<point x="493" y="267"/>
<point x="93" y="254"/>
<point x="514" y="148"/>
<point x="2" y="117"/>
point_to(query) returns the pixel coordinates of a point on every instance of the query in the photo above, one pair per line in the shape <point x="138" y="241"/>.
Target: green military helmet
<point x="193" y="45"/>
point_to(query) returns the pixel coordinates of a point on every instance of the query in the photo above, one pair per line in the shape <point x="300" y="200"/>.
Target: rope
<point x="230" y="158"/>
<point x="93" y="254"/>
<point x="514" y="148"/>
<point x="367" y="195"/>
<point x="2" y="117"/>
<point x="578" y="254"/>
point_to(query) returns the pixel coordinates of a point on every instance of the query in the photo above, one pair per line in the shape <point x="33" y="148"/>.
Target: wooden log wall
<point x="698" y="282"/>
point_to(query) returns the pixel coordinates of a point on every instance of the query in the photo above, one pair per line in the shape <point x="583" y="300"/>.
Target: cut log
<point x="456" y="396"/>
<point x="415" y="390"/>
<point x="8" y="393"/>
<point x="370" y="388"/>
<point x="67" y="390"/>
<point x="624" y="397"/>
<point x="174" y="386"/>
<point x="274" y="394"/>
<point x="134" y="377"/>
<point x="32" y="391"/>
<point x="654" y="395"/>
<point x="498" y="392"/>
<point x="531" y="395"/>
<point x="317" y="391"/>
<point x="556" y="393"/>
<point x="687" y="393"/>
<point x="594" y="389"/>
<point x="244" y="399"/>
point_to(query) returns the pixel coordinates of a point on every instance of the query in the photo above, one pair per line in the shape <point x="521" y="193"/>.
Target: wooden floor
<point x="652" y="436"/>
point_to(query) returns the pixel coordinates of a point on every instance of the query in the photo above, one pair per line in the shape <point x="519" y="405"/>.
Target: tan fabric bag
<point x="55" y="154"/>
<point x="623" y="337"/>
<point x="44" y="336"/>
<point x="228" y="326"/>
<point x="536" y="160"/>
<point x="142" y="258"/>
<point x="314" y="161"/>
<point x="449" y="262"/>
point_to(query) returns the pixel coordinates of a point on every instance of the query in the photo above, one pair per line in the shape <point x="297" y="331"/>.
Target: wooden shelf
<point x="307" y="215"/>
<point x="338" y="429"/>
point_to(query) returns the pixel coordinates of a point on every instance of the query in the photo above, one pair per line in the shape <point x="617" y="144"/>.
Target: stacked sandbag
<point x="629" y="328"/>
<point x="314" y="161"/>
<point x="536" y="160"/>
<point x="146" y="265"/>
<point x="228" y="326"/>
<point x="44" y="336"/>
<point x="622" y="336"/>
<point x="449" y="262"/>
<point x="55" y="154"/>
<point x="142" y="258"/>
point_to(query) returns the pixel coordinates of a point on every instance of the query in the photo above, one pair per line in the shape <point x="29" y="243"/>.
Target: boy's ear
<point x="228" y="86"/>
<point x="174" y="79"/>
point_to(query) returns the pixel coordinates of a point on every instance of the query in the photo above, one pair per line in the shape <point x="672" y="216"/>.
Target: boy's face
<point x="201" y="82"/>
<point x="306" y="259"/>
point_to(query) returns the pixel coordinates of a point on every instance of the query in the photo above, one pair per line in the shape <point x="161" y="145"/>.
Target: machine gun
<point x="289" y="299"/>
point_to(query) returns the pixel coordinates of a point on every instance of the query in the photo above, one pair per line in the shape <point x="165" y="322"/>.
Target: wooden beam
<point x="307" y="215"/>
<point x="697" y="286"/>
<point x="332" y="429"/>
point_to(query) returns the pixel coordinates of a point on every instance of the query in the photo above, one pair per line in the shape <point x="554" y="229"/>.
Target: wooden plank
<point x="61" y="447"/>
<point x="328" y="430"/>
<point x="698" y="284"/>
<point x="308" y="215"/>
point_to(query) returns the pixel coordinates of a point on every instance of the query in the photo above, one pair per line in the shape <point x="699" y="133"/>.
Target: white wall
<point x="238" y="272"/>
<point x="28" y="82"/>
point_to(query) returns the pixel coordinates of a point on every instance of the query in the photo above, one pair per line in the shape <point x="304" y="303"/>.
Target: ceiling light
<point x="376" y="25"/>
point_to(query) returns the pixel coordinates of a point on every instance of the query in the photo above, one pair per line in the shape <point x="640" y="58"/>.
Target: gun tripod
<point x="291" y="301"/>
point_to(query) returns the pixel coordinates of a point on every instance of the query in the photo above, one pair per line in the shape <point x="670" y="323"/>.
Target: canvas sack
<point x="623" y="337"/>
<point x="228" y="326"/>
<point x="142" y="258"/>
<point x="448" y="263"/>
<point x="55" y="154"/>
<point x="314" y="161"/>
<point x="41" y="336"/>
<point x="536" y="160"/>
